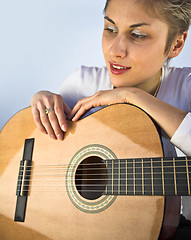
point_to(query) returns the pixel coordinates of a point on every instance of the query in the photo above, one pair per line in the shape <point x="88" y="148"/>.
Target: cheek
<point x="157" y="57"/>
<point x="153" y="54"/>
<point x="104" y="46"/>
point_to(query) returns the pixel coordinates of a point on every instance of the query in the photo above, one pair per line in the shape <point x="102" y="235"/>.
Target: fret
<point x="138" y="177"/>
<point x="129" y="178"/>
<point x="112" y="178"/>
<point x="157" y="176"/>
<point x="188" y="179"/>
<point x="162" y="176"/>
<point x="119" y="179"/>
<point x="134" y="176"/>
<point x="181" y="176"/>
<point x="123" y="176"/>
<point x="189" y="170"/>
<point x="116" y="177"/>
<point x="152" y="176"/>
<point x="169" y="180"/>
<point x="143" y="192"/>
<point x="147" y="177"/>
<point x="126" y="175"/>
<point x="175" y="187"/>
<point x="106" y="164"/>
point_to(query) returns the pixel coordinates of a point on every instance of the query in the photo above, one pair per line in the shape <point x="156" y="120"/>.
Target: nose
<point x="119" y="48"/>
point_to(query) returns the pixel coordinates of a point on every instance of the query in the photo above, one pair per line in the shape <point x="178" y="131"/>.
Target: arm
<point x="168" y="117"/>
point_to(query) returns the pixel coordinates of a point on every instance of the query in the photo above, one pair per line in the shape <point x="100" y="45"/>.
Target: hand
<point x="53" y="123"/>
<point x="101" y="98"/>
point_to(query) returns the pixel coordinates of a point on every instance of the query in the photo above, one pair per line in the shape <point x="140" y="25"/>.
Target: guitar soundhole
<point x="91" y="178"/>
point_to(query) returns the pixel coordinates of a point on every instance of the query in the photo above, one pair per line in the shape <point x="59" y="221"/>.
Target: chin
<point x="117" y="82"/>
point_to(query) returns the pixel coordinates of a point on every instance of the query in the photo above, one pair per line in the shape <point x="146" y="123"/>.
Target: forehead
<point x="134" y="9"/>
<point x="131" y="12"/>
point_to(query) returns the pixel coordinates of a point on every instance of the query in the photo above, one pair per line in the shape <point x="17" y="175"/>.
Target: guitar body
<point x="59" y="211"/>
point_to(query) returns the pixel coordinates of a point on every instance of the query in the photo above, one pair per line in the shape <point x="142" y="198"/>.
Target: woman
<point x="139" y="38"/>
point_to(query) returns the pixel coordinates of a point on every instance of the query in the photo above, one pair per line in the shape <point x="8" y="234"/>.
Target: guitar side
<point x="52" y="215"/>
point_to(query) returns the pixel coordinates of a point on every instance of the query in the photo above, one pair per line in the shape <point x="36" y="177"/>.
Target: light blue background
<point x="42" y="41"/>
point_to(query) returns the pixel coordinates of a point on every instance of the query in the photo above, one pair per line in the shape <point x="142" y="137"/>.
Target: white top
<point x="175" y="89"/>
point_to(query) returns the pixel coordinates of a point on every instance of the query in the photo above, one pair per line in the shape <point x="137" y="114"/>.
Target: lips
<point x="118" y="69"/>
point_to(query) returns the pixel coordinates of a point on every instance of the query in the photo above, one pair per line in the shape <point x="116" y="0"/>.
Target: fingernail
<point x="59" y="136"/>
<point x="53" y="136"/>
<point x="74" y="119"/>
<point x="64" y="128"/>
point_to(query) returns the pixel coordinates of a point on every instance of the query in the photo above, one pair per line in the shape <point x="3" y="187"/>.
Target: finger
<point x="82" y="110"/>
<point x="46" y="121"/>
<point x="37" y="120"/>
<point x="67" y="110"/>
<point x="55" y="125"/>
<point x="55" y="117"/>
<point x="78" y="105"/>
<point x="100" y="98"/>
<point x="61" y="109"/>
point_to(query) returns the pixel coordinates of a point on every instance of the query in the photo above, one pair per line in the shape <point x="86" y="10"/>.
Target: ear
<point x="178" y="45"/>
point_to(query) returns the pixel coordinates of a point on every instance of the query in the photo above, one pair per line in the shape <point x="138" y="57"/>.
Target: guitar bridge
<point x="24" y="181"/>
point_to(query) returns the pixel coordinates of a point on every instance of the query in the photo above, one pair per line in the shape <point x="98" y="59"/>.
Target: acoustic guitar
<point x="108" y="179"/>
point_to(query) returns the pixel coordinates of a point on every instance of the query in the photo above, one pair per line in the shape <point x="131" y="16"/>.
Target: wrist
<point x="134" y="96"/>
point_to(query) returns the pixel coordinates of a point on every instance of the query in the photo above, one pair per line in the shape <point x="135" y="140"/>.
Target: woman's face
<point x="133" y="45"/>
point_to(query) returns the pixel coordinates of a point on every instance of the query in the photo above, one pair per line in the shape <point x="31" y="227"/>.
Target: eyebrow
<point x="109" y="19"/>
<point x="132" y="26"/>
<point x="139" y="25"/>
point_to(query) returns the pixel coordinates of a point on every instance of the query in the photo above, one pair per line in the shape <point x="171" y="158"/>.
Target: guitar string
<point x="28" y="173"/>
<point x="100" y="185"/>
<point x="103" y="184"/>
<point x="146" y="161"/>
<point x="103" y="179"/>
<point x="50" y="182"/>
<point x="156" y="193"/>
<point x="33" y="187"/>
<point x="29" y="168"/>
<point x="129" y="193"/>
<point x="137" y="178"/>
<point x="61" y="168"/>
<point x="130" y="189"/>
<point x="37" y="179"/>
<point x="96" y="179"/>
<point x="65" y="168"/>
<point x="102" y="175"/>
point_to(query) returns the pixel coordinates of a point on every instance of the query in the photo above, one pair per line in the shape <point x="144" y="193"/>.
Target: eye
<point x="136" y="35"/>
<point x="111" y="29"/>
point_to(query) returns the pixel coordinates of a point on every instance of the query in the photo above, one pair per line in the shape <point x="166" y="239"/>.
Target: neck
<point x="156" y="86"/>
<point x="149" y="176"/>
<point x="152" y="85"/>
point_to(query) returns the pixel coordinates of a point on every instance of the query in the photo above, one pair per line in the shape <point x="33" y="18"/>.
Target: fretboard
<point x="149" y="176"/>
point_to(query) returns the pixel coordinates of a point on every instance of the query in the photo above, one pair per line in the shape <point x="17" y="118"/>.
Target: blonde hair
<point x="176" y="13"/>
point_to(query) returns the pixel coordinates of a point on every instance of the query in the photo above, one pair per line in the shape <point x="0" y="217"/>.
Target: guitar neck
<point x="149" y="176"/>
